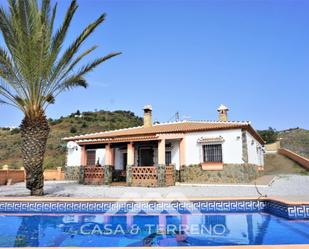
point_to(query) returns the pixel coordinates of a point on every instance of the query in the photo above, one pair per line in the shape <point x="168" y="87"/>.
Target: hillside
<point x="275" y="164"/>
<point x="76" y="123"/>
<point x="296" y="140"/>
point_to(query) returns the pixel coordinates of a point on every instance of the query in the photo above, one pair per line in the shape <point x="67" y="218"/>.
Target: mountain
<point x="74" y="124"/>
<point x="296" y="140"/>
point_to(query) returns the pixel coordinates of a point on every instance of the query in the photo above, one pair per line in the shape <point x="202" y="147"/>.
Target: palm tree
<point x="34" y="69"/>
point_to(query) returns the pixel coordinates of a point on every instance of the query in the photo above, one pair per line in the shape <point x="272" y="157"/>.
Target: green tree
<point x="73" y="130"/>
<point x="269" y="136"/>
<point x="35" y="68"/>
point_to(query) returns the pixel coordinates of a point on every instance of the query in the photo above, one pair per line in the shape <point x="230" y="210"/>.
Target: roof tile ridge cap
<point x="201" y="121"/>
<point x="217" y="121"/>
<point x="78" y="136"/>
<point x="172" y="122"/>
<point x="115" y="130"/>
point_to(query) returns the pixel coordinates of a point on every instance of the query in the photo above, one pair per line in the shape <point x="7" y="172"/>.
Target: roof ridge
<point x="103" y="132"/>
<point x="203" y="121"/>
<point x="158" y="125"/>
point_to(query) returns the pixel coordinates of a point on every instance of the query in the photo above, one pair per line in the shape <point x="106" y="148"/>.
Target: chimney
<point x="147" y="116"/>
<point x="222" y="110"/>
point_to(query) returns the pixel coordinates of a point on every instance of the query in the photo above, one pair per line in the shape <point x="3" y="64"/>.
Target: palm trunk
<point x="34" y="134"/>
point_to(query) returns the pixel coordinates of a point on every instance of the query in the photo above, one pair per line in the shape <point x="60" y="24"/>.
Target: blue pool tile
<point x="156" y="207"/>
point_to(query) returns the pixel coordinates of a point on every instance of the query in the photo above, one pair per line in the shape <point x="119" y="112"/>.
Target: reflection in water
<point x="28" y="232"/>
<point x="150" y="230"/>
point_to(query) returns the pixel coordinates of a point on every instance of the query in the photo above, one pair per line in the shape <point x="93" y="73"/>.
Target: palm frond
<point x="73" y="48"/>
<point x="2" y="102"/>
<point x="34" y="68"/>
<point x="88" y="68"/>
<point x="60" y="35"/>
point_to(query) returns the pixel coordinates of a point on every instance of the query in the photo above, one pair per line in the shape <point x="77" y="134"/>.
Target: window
<point x="168" y="157"/>
<point x="212" y="153"/>
<point x="91" y="157"/>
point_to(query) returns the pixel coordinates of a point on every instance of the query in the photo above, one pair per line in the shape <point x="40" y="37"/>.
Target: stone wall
<point x="231" y="173"/>
<point x="108" y="174"/>
<point x="244" y="146"/>
<point x="72" y="173"/>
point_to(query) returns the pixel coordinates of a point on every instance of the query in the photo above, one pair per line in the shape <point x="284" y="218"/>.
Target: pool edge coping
<point x="85" y="199"/>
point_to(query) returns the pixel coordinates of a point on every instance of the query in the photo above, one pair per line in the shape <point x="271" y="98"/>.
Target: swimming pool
<point x="152" y="223"/>
<point x="150" y="230"/>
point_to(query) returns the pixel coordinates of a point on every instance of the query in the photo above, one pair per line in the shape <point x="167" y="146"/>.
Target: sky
<point x="190" y="57"/>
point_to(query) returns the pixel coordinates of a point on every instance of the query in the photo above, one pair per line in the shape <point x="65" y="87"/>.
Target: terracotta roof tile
<point x="177" y="127"/>
<point x="117" y="139"/>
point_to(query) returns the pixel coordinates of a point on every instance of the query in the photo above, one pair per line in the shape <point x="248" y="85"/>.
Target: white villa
<point x="160" y="154"/>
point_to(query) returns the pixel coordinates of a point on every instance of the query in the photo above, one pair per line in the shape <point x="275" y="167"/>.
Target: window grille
<point x="212" y="153"/>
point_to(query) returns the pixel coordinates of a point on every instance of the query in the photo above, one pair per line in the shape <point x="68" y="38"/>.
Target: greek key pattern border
<point x="292" y="212"/>
<point x="157" y="207"/>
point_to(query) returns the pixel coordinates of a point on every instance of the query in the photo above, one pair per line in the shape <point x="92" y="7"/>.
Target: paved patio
<point x="291" y="187"/>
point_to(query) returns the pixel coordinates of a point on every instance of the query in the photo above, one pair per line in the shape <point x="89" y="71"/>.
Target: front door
<point x="91" y="158"/>
<point x="124" y="161"/>
<point x="120" y="175"/>
<point x="146" y="157"/>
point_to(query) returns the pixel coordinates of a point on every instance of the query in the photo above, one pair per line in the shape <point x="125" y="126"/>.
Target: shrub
<point x="73" y="130"/>
<point x="84" y="125"/>
<point x="15" y="131"/>
<point x="56" y="121"/>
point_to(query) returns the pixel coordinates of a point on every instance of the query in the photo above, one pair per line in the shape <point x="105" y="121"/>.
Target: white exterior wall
<point x="255" y="150"/>
<point x="231" y="147"/>
<point x="74" y="156"/>
<point x="175" y="153"/>
<point x="100" y="156"/>
<point x="231" y="150"/>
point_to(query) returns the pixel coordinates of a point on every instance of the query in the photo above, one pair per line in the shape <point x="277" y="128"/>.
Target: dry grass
<point x="277" y="164"/>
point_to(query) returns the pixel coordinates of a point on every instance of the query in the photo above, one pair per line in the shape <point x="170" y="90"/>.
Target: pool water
<point x="150" y="230"/>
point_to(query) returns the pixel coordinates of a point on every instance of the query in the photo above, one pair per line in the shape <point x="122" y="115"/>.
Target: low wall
<point x="18" y="175"/>
<point x="272" y="147"/>
<point x="231" y="173"/>
<point x="14" y="175"/>
<point x="54" y="174"/>
<point x="295" y="157"/>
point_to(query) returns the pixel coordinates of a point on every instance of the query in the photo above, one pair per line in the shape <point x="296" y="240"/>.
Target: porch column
<point x="182" y="152"/>
<point x="130" y="162"/>
<point x="161" y="152"/>
<point x="130" y="153"/>
<point x="108" y="168"/>
<point x="83" y="156"/>
<point x="108" y="155"/>
<point x="161" y="163"/>
<point x="83" y="163"/>
<point x="112" y="157"/>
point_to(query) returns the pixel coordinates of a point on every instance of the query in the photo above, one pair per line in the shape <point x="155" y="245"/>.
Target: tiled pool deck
<point x="290" y="187"/>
